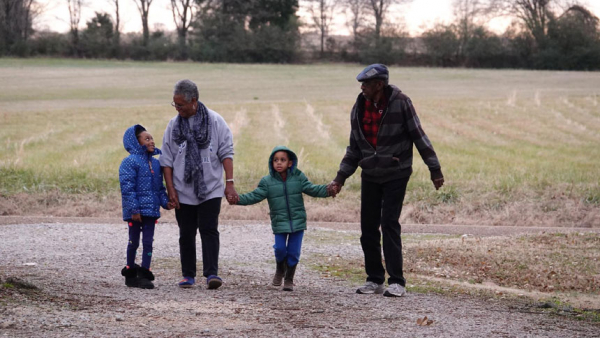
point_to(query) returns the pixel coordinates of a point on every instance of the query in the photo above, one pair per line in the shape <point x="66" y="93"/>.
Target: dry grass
<point x="516" y="147"/>
<point x="544" y="262"/>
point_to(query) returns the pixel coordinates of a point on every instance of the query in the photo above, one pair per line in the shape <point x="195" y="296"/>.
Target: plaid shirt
<point x="372" y="119"/>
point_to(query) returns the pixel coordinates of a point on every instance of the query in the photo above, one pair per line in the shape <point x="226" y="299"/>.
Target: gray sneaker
<point x="395" y="290"/>
<point x="370" y="288"/>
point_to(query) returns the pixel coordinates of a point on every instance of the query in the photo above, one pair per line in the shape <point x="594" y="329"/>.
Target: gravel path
<point x="76" y="268"/>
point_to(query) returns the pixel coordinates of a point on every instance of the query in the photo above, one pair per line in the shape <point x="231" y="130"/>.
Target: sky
<point x="415" y="17"/>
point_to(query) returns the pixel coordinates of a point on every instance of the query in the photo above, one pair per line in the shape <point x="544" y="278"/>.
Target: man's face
<point x="371" y="88"/>
<point x="184" y="109"/>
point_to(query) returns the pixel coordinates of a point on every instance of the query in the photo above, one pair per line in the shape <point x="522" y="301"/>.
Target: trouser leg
<point x="280" y="247"/>
<point x="208" y="215"/>
<point x="393" y="196"/>
<point x="370" y="239"/>
<point x="187" y="220"/>
<point x="149" y="224"/>
<point x="134" y="228"/>
<point x="294" y="247"/>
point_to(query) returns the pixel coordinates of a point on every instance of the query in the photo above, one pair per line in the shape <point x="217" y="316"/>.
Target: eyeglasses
<point x="177" y="106"/>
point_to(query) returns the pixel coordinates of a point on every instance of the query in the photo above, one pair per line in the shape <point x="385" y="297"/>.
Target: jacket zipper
<point x="287" y="203"/>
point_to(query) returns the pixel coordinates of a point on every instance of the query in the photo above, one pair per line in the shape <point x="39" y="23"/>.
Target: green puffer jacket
<point x="286" y="204"/>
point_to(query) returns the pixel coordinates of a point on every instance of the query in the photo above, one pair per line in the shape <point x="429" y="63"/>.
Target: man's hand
<point x="137" y="218"/>
<point x="331" y="191"/>
<point x="438" y="182"/>
<point x="335" y="187"/>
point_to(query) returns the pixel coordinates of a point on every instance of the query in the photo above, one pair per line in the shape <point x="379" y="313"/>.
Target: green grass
<point x="506" y="135"/>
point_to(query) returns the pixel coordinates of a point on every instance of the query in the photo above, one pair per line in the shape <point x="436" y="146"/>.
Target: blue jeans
<point x="288" y="246"/>
<point x="146" y="227"/>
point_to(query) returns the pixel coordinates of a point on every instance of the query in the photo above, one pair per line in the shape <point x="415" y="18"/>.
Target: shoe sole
<point x="389" y="294"/>
<point x="214" y="284"/>
<point x="187" y="286"/>
<point x="368" y="293"/>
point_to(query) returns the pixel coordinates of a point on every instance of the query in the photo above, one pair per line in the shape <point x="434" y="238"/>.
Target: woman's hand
<point x="173" y="198"/>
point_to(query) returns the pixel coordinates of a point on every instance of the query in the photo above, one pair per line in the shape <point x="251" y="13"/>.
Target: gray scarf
<point x="196" y="131"/>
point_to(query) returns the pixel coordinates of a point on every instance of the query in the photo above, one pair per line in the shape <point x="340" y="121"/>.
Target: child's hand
<point x="170" y="205"/>
<point x="136" y="217"/>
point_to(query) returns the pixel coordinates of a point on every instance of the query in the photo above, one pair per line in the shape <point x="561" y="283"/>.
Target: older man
<point x="384" y="127"/>
<point x="197" y="148"/>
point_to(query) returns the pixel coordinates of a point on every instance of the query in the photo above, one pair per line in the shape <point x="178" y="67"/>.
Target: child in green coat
<point x="283" y="189"/>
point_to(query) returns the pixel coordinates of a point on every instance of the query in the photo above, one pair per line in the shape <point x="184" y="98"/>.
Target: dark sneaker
<point x="395" y="290"/>
<point x="213" y="282"/>
<point x="370" y="288"/>
<point x="187" y="282"/>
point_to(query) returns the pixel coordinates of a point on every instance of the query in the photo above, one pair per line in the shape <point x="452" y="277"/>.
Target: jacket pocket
<point x="379" y="165"/>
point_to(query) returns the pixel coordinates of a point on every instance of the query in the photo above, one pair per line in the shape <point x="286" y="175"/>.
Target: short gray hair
<point x="187" y="88"/>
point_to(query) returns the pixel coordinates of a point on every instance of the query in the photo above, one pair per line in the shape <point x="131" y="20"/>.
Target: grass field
<point x="516" y="147"/>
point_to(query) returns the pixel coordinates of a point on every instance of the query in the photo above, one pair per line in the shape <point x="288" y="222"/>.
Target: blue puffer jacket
<point x="142" y="191"/>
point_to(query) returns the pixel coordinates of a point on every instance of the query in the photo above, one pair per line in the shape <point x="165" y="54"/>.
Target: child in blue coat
<point x="142" y="193"/>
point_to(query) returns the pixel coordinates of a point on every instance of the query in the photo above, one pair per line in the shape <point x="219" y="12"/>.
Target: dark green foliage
<point x="97" y="38"/>
<point x="248" y="31"/>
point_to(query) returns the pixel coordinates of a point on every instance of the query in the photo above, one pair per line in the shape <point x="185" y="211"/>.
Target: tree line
<point x="544" y="34"/>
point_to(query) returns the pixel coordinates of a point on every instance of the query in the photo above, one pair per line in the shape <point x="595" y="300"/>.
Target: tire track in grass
<point x="279" y="125"/>
<point x="240" y="120"/>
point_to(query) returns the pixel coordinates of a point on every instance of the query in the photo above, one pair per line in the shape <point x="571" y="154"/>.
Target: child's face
<point x="145" y="139"/>
<point x="281" y="161"/>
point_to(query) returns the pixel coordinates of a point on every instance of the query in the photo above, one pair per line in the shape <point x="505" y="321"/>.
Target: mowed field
<point x="516" y="147"/>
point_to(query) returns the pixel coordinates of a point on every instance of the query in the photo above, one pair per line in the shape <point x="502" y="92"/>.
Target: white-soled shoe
<point x="370" y="288"/>
<point x="395" y="290"/>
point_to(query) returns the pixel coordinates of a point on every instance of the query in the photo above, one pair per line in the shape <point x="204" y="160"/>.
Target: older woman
<point x="197" y="148"/>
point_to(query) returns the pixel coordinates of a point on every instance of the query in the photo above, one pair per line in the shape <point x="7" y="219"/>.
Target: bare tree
<point x="535" y="14"/>
<point x="75" y="7"/>
<point x="322" y="13"/>
<point x="468" y="14"/>
<point x="380" y="9"/>
<point x="144" y="9"/>
<point x="354" y="19"/>
<point x="184" y="14"/>
<point x="16" y="17"/>
<point x="117" y="22"/>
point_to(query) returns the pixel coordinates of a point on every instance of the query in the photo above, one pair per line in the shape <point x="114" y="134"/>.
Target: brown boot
<point x="288" y="282"/>
<point x="279" y="273"/>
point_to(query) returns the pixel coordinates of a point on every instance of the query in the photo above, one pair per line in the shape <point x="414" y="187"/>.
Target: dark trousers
<point x="145" y="227"/>
<point x="204" y="218"/>
<point x="381" y="204"/>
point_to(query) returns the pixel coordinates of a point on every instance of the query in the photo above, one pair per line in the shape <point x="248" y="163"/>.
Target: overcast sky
<point x="415" y="17"/>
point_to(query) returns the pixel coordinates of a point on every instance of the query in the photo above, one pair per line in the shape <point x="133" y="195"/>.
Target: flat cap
<point x="374" y="71"/>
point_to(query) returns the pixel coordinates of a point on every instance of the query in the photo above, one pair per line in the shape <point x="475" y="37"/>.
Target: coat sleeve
<point x="255" y="196"/>
<point x="162" y="193"/>
<point x="350" y="161"/>
<point x="420" y="139"/>
<point x="314" y="190"/>
<point x="128" y="172"/>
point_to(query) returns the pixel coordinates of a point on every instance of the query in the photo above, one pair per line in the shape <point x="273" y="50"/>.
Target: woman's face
<point x="184" y="109"/>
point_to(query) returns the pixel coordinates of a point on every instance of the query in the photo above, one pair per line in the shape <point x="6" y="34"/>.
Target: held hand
<point x="336" y="187"/>
<point x="331" y="191"/>
<point x="438" y="183"/>
<point x="173" y="198"/>
<point x="137" y="218"/>
<point x="231" y="195"/>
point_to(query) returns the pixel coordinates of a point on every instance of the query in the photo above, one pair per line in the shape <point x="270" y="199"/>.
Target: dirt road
<point x="75" y="266"/>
